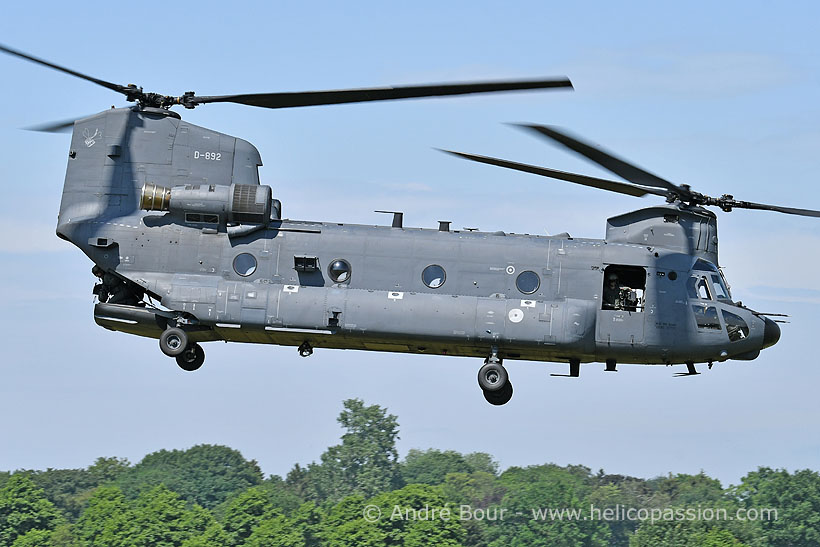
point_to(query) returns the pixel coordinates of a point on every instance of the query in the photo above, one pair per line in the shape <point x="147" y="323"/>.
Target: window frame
<point x="443" y="276"/>
<point x="349" y="271"/>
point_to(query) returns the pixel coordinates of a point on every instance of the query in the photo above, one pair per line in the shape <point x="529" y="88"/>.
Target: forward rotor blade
<point x="779" y="209"/>
<point x="315" y="98"/>
<point x="622" y="168"/>
<point x="109" y="85"/>
<point x="603" y="184"/>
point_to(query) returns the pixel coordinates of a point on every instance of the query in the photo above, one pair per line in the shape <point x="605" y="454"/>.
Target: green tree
<point x="245" y="512"/>
<point x="275" y="532"/>
<point x="683" y="533"/>
<point x="105" y="470"/>
<point x="688" y="490"/>
<point x="477" y="489"/>
<point x="70" y="489"/>
<point x="34" y="538"/>
<point x="64" y="488"/>
<point x="63" y="536"/>
<point x="795" y="498"/>
<point x="302" y="529"/>
<point x="107" y="520"/>
<point x="23" y="508"/>
<point x="365" y="463"/>
<point x="282" y="496"/>
<point x="298" y="482"/>
<point x="547" y="487"/>
<point x="204" y="474"/>
<point x="481" y="461"/>
<point x="162" y="520"/>
<point x="202" y="529"/>
<point x="411" y="516"/>
<point x="432" y="466"/>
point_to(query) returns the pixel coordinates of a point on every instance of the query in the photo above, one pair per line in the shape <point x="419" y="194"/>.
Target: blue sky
<point x="719" y="96"/>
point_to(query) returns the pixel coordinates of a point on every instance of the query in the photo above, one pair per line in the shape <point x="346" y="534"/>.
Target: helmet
<point x="97" y="271"/>
<point x="612" y="277"/>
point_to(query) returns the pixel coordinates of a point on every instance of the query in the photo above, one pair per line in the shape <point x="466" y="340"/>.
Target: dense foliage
<point x="361" y="494"/>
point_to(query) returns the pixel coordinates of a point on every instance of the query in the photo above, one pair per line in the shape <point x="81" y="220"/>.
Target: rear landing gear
<point x="192" y="358"/>
<point x="174" y="343"/>
<point x="494" y="381"/>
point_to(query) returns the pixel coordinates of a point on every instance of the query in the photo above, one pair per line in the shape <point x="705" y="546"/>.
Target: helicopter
<point x="190" y="248"/>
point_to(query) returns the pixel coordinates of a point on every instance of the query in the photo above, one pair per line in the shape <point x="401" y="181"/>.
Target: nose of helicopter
<point x="771" y="333"/>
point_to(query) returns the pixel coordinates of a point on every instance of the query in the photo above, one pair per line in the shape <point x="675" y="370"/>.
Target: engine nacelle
<point x="211" y="203"/>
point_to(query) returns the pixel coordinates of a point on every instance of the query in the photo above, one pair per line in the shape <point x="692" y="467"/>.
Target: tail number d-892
<point x="213" y="156"/>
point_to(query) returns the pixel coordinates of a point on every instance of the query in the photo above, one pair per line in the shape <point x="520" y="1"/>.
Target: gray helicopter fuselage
<point x="225" y="276"/>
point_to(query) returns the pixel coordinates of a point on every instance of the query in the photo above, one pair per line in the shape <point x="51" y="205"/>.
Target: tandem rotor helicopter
<point x="190" y="248"/>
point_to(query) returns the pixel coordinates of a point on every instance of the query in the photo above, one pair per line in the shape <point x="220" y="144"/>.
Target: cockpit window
<point x="698" y="288"/>
<point x="721" y="292"/>
<point x="706" y="316"/>
<point x="701" y="264"/>
<point x="735" y="326"/>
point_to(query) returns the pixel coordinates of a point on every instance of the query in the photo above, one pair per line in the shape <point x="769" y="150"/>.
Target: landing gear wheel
<point x="173" y="342"/>
<point x="500" y="397"/>
<point x="192" y="358"/>
<point x="492" y="377"/>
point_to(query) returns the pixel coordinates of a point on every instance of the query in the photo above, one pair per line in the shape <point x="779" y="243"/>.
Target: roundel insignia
<point x="516" y="315"/>
<point x="511" y="269"/>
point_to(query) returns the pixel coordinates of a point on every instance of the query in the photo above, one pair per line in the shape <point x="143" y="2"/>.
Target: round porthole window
<point x="244" y="264"/>
<point x="433" y="276"/>
<point x="339" y="271"/>
<point x="528" y="282"/>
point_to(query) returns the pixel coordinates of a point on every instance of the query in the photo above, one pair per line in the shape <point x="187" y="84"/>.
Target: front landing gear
<point x="501" y="397"/>
<point x="305" y="350"/>
<point x="494" y="381"/>
<point x="690" y="370"/>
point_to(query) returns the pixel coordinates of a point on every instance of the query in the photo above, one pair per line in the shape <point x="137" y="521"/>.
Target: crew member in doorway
<point x="113" y="290"/>
<point x="611" y="292"/>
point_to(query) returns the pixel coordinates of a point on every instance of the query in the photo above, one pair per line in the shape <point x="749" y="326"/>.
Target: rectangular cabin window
<point x="201" y="218"/>
<point x="305" y="263"/>
<point x="624" y="288"/>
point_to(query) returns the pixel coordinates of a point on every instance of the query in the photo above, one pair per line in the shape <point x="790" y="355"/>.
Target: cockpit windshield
<point x="707" y="282"/>
<point x="721" y="292"/>
<point x="704" y="265"/>
<point x="698" y="288"/>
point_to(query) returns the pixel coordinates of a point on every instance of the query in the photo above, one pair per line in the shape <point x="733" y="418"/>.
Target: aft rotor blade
<point x="52" y="127"/>
<point x="594" y="182"/>
<point x="109" y="85"/>
<point x="779" y="209"/>
<point x="620" y="167"/>
<point x="341" y="96"/>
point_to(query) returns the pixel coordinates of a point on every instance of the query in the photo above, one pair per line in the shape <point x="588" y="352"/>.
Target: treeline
<point x="361" y="494"/>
